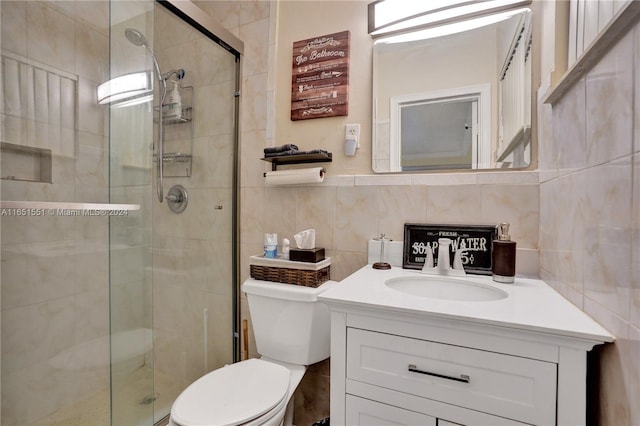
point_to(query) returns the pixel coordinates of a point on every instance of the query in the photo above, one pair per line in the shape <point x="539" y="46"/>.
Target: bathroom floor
<point x="94" y="410"/>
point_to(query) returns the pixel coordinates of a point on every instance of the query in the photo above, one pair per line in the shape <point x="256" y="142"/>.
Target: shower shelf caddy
<point x="174" y="157"/>
<point x="178" y="163"/>
<point x="184" y="117"/>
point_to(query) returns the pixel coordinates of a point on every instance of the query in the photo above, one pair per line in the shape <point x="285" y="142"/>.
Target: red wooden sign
<point x="320" y="77"/>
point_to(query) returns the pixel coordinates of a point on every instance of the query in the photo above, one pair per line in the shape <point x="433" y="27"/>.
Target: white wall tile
<point x="609" y="105"/>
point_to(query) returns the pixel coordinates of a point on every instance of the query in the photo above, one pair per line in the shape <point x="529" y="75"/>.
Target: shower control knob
<point x="177" y="199"/>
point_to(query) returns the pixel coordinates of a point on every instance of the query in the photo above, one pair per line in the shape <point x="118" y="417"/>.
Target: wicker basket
<point x="290" y="272"/>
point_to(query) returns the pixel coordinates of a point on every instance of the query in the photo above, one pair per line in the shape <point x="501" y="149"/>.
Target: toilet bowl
<point x="292" y="330"/>
<point x="251" y="392"/>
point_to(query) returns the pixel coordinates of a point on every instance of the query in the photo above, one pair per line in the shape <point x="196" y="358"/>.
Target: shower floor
<point x="94" y="410"/>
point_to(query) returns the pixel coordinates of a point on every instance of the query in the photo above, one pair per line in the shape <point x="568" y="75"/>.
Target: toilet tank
<point x="289" y="323"/>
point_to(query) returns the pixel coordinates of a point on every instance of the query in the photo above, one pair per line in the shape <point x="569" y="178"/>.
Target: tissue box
<point x="290" y="272"/>
<point x="313" y="255"/>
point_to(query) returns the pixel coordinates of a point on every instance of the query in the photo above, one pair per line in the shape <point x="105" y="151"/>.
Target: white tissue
<point x="306" y="239"/>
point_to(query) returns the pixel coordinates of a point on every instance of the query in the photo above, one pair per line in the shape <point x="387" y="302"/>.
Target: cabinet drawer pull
<point x="463" y="377"/>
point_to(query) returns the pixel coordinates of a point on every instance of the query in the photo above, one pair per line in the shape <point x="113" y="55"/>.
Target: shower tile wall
<point x="192" y="251"/>
<point x="590" y="216"/>
<point x="55" y="269"/>
<point x="250" y="21"/>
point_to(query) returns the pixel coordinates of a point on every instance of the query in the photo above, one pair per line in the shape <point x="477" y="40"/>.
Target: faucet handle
<point x="428" y="262"/>
<point x="428" y="268"/>
<point x="457" y="260"/>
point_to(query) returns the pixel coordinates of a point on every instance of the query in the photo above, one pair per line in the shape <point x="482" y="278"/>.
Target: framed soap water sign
<point x="475" y="241"/>
<point x="320" y="77"/>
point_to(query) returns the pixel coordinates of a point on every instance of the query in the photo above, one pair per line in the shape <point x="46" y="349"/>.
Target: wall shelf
<point x="177" y="163"/>
<point x="185" y="117"/>
<point x="298" y="159"/>
<point x="176" y="157"/>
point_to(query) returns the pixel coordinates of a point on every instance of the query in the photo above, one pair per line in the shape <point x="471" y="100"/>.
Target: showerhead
<point x="136" y="37"/>
<point x="179" y="73"/>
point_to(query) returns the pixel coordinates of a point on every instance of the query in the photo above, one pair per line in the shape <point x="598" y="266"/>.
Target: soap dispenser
<point x="173" y="103"/>
<point x="503" y="256"/>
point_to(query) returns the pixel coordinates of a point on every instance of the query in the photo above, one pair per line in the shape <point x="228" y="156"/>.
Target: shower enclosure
<point x="112" y="303"/>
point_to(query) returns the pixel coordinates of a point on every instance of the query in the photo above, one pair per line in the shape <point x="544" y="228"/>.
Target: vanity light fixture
<point x="127" y="89"/>
<point x="453" y="28"/>
<point x="392" y="17"/>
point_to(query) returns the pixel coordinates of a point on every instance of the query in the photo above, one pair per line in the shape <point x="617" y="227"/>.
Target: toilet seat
<point x="233" y="395"/>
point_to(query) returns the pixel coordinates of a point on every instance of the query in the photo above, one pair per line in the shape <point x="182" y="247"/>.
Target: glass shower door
<point x="193" y="252"/>
<point x="131" y="133"/>
<point x="173" y="273"/>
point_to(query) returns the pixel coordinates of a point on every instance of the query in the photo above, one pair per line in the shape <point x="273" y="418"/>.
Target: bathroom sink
<point x="445" y="288"/>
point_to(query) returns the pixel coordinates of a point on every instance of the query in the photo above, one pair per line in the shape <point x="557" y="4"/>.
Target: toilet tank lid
<point x="285" y="291"/>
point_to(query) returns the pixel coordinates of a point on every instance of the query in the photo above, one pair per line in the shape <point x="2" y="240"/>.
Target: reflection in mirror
<point x="458" y="101"/>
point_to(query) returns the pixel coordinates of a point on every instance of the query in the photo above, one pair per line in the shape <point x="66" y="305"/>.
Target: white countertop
<point x="531" y="304"/>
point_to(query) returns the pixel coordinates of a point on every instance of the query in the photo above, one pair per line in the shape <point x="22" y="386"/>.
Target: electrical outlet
<point x="351" y="130"/>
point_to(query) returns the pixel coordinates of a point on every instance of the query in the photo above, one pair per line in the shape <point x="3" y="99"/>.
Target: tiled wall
<point x="250" y="22"/>
<point x="55" y="269"/>
<point x="590" y="216"/>
<point x="347" y="216"/>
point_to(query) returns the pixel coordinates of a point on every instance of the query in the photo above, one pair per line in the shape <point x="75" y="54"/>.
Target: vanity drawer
<point x="513" y="387"/>
<point x="363" y="412"/>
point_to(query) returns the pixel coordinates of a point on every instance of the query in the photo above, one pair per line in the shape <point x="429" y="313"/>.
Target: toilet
<point x="292" y="331"/>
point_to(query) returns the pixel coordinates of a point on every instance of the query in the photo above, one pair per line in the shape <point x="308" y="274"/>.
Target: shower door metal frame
<point x="198" y="19"/>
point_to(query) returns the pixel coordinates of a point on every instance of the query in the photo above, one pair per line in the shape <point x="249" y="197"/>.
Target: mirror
<point x="458" y="101"/>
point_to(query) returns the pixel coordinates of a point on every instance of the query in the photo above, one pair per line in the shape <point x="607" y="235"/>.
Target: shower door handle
<point x="160" y="147"/>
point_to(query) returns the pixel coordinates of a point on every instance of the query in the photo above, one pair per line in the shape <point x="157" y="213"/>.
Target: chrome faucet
<point x="444" y="261"/>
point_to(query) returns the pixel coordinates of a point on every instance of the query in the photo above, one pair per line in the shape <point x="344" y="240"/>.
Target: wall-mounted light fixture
<point x="447" y="29"/>
<point x="128" y="89"/>
<point x="393" y="17"/>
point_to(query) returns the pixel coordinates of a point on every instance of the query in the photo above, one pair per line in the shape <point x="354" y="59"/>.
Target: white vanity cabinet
<point x="510" y="386"/>
<point x="410" y="362"/>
